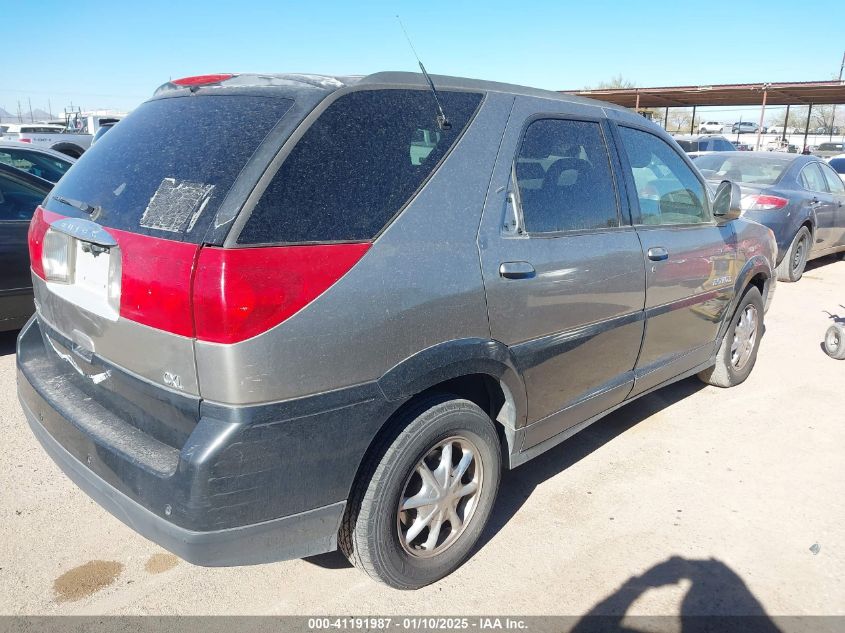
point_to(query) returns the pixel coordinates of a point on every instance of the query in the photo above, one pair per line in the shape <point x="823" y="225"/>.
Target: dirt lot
<point x="690" y="500"/>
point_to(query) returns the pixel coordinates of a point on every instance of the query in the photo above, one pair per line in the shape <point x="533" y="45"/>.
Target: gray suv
<point x="283" y="314"/>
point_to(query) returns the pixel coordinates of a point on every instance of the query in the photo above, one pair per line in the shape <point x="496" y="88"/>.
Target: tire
<point x="834" y="342"/>
<point x="374" y="532"/>
<point x="733" y="366"/>
<point x="793" y="263"/>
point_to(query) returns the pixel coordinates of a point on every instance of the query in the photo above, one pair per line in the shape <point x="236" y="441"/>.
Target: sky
<point x="116" y="53"/>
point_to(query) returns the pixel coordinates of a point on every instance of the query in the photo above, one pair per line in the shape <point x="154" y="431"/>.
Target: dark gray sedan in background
<point x="801" y="198"/>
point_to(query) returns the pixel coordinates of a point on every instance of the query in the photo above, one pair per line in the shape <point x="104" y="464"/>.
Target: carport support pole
<point x="666" y="119"/>
<point x="785" y="123"/>
<point x="807" y="127"/>
<point x="762" y="115"/>
<point x="692" y="122"/>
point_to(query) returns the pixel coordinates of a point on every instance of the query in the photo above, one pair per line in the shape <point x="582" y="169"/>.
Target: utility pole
<point x="49" y="108"/>
<point x="765" y="89"/>
<point x="833" y="114"/>
<point x="31" y="117"/>
<point x="20" y="116"/>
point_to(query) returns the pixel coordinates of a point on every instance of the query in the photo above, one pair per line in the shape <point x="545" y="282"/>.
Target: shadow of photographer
<point x="717" y="599"/>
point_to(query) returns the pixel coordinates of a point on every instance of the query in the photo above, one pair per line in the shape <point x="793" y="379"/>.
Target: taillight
<point x="241" y="292"/>
<point x="24" y="140"/>
<point x="201" y="80"/>
<point x="37" y="228"/>
<point x="156" y="281"/>
<point x="762" y="202"/>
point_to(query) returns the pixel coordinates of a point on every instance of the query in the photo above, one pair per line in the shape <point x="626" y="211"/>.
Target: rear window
<point x="742" y="169"/>
<point x="830" y="147"/>
<point x="688" y="146"/>
<point x="838" y="164"/>
<point x="356" y="166"/>
<point x="166" y="168"/>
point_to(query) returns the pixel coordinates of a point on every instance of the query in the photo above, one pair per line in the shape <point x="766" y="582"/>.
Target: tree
<point x="617" y="81"/>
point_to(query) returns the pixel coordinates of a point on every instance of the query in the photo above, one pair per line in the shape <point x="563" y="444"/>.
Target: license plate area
<point x="93" y="278"/>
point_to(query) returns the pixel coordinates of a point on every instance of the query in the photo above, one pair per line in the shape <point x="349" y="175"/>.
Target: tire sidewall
<point x="401" y="568"/>
<point x="803" y="234"/>
<point x="838" y="351"/>
<point x="737" y="376"/>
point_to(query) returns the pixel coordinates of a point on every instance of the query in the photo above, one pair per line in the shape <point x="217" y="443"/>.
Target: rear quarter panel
<point x="418" y="286"/>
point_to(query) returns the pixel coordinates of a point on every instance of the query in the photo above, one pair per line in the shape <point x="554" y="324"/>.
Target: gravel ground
<point x="692" y="500"/>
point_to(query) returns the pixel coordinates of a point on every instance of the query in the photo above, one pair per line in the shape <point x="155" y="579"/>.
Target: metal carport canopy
<point x="794" y="93"/>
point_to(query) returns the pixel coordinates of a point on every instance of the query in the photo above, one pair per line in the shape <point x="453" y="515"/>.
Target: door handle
<point x="658" y="254"/>
<point x="516" y="270"/>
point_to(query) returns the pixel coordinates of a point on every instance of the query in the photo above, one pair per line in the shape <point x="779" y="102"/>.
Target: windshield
<point x="167" y="167"/>
<point x="742" y="169"/>
<point x="688" y="146"/>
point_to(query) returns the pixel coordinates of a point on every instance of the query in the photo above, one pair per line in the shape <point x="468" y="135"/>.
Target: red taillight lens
<point x="156" y="281"/>
<point x="25" y="140"/>
<point x="201" y="80"/>
<point x="241" y="292"/>
<point x="37" y="228"/>
<point x="763" y="202"/>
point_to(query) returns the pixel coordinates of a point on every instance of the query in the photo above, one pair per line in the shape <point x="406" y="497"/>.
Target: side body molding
<point x="456" y="358"/>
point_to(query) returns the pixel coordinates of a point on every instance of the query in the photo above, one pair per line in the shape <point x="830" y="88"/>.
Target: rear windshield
<point x="166" y="168"/>
<point x="356" y="166"/>
<point x="688" y="146"/>
<point x="838" y="164"/>
<point x="830" y="147"/>
<point x="742" y="169"/>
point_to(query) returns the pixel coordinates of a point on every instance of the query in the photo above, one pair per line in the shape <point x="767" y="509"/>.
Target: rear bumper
<point x="304" y="534"/>
<point x="249" y="485"/>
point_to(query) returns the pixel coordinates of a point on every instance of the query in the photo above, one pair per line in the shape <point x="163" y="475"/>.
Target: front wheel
<point x="791" y="267"/>
<point x="423" y="499"/>
<point x="738" y="350"/>
<point x="834" y="342"/>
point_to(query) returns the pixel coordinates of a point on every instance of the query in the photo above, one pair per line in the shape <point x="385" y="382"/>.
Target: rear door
<point x="837" y="192"/>
<point x="689" y="258"/>
<point x="562" y="266"/>
<point x="824" y="205"/>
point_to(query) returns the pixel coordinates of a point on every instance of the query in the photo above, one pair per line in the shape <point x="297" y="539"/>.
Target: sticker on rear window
<point x="176" y="205"/>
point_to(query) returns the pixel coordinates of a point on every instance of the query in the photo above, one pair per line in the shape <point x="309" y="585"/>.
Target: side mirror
<point x="726" y="204"/>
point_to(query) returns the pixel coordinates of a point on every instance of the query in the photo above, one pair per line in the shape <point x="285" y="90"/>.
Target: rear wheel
<point x="423" y="499"/>
<point x="793" y="263"/>
<point x="738" y="350"/>
<point x="834" y="342"/>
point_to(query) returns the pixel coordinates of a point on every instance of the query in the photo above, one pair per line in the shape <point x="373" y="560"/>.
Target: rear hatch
<point x="115" y="245"/>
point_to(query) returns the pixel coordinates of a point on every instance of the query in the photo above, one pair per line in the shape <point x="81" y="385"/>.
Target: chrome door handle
<point x="516" y="270"/>
<point x="658" y="254"/>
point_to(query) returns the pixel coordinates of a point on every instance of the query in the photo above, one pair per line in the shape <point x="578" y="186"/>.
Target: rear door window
<point x="834" y="182"/>
<point x="18" y="199"/>
<point x="812" y="178"/>
<point x="667" y="189"/>
<point x="167" y="167"/>
<point x="356" y="166"/>
<point x="564" y="178"/>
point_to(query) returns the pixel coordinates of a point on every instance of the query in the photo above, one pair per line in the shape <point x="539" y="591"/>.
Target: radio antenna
<point x="442" y="121"/>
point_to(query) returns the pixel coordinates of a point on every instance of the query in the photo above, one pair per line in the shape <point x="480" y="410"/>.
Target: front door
<point x="690" y="260"/>
<point x="563" y="272"/>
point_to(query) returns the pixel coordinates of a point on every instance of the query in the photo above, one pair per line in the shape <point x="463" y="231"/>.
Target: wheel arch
<point x="757" y="273"/>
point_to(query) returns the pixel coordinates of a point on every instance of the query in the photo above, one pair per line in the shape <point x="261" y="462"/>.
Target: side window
<point x="668" y="190"/>
<point x="356" y="166"/>
<point x="17" y="200"/>
<point x="812" y="179"/>
<point x="564" y="178"/>
<point x="834" y="182"/>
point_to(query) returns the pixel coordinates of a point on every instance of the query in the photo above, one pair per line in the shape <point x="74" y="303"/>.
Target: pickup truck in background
<point x="72" y="139"/>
